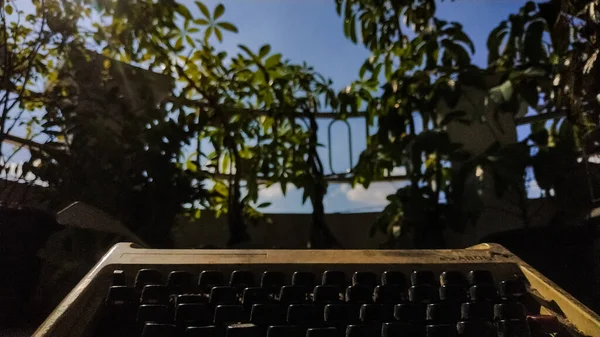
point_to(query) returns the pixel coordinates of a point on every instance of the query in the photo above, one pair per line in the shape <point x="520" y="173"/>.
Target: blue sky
<point x="311" y="31"/>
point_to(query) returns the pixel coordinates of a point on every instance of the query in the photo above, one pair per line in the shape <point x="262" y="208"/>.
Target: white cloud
<point x="375" y="195"/>
<point x="272" y="192"/>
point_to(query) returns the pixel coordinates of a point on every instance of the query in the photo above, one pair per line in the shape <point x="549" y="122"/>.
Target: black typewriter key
<point x="512" y="289"/>
<point x="159" y="330"/>
<point x="322" y="332"/>
<point x="153" y="313"/>
<point x="303" y="314"/>
<point x="342" y="313"/>
<point x="284" y="331"/>
<point x="254" y="295"/>
<point x="193" y="314"/>
<point x="389" y="294"/>
<point x="209" y="279"/>
<point x="400" y="329"/>
<point x="272" y="281"/>
<point x="120" y="305"/>
<point x="304" y="279"/>
<point x="443" y="312"/>
<point x="453" y="277"/>
<point x="223" y="295"/>
<point x="155" y="294"/>
<point x="364" y="278"/>
<point x="180" y="282"/>
<point x="480" y="277"/>
<point x="203" y="331"/>
<point x="326" y="294"/>
<point x="241" y="279"/>
<point x="422" y="294"/>
<point x="148" y="276"/>
<point x="423" y="277"/>
<point x="376" y="312"/>
<point x="334" y="278"/>
<point x="359" y="294"/>
<point x="440" y="330"/>
<point x="118" y="278"/>
<point x="363" y="330"/>
<point x="119" y="295"/>
<point x="409" y="312"/>
<point x="543" y="325"/>
<point x="393" y="278"/>
<point x="293" y="294"/>
<point x="226" y="314"/>
<point x="509" y="310"/>
<point x="268" y="314"/>
<point x="243" y="330"/>
<point x="475" y="329"/>
<point x="190" y="298"/>
<point x="512" y="328"/>
<point x="476" y="311"/>
<point x="453" y="293"/>
<point x="483" y="292"/>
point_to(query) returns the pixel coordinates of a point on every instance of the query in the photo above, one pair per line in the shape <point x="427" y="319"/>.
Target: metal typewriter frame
<point x="75" y="315"/>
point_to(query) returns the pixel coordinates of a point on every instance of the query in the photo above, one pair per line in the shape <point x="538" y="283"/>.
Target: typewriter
<point x="481" y="291"/>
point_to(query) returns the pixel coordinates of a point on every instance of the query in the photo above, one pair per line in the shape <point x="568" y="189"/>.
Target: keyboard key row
<point x="197" y="313"/>
<point x="461" y="329"/>
<point x="184" y="281"/>
<point x="160" y="294"/>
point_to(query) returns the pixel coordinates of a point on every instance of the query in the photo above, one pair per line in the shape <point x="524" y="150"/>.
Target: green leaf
<point x="8" y="9"/>
<point x="364" y="35"/>
<point x="338" y="6"/>
<point x="179" y="43"/>
<point x="273" y="60"/>
<point x="353" y="29"/>
<point x="529" y="6"/>
<point x="305" y="196"/>
<point x="550" y="11"/>
<point x="193" y="30"/>
<point x="203" y="9"/>
<point x="459" y="35"/>
<point x="247" y="50"/>
<point x="225" y="164"/>
<point x="502" y="93"/>
<point x="533" y="48"/>
<point x="202" y="22"/>
<point x="528" y="91"/>
<point x="218" y="34"/>
<point x="264" y="204"/>
<point x="184" y="11"/>
<point x="207" y="33"/>
<point x="264" y="51"/>
<point x="228" y="26"/>
<point x="459" y="54"/>
<point x="283" y="187"/>
<point x="388" y="67"/>
<point x="494" y="41"/>
<point x="189" y="40"/>
<point x="219" y="10"/>
<point x="347" y="27"/>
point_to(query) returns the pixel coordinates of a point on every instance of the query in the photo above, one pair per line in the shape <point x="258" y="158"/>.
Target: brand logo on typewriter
<point x="492" y="256"/>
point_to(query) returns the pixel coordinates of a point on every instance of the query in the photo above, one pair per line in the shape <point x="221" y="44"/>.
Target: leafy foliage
<point x="432" y="70"/>
<point x="258" y="110"/>
<point x="102" y="149"/>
